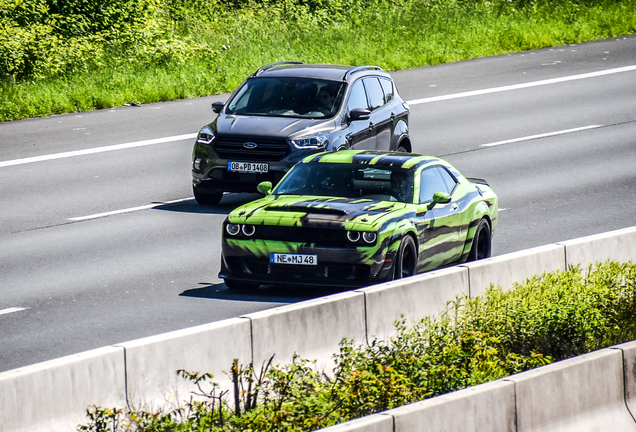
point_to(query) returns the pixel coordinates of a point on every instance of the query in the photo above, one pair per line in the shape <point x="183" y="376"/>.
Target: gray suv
<point x="286" y="111"/>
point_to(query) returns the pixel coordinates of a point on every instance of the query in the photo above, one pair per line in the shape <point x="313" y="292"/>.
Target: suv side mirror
<point x="265" y="188"/>
<point x="218" y="106"/>
<point x="439" y="198"/>
<point x="359" y="114"/>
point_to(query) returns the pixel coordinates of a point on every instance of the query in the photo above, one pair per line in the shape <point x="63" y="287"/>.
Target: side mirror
<point x="359" y="114"/>
<point x="439" y="198"/>
<point x="218" y="106"/>
<point x="265" y="188"/>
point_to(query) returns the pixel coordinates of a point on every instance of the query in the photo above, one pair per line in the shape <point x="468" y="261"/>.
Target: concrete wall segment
<point x="486" y="407"/>
<point x="506" y="270"/>
<point x="629" y="373"/>
<point x="581" y="394"/>
<point x="53" y="396"/>
<point x="614" y="245"/>
<point x="152" y="362"/>
<point x="413" y="298"/>
<point x="313" y="329"/>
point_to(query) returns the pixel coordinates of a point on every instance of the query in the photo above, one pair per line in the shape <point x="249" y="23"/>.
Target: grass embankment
<point x="546" y="319"/>
<point x="81" y="55"/>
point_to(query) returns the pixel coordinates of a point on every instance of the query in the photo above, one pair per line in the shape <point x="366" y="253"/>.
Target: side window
<point x="357" y="97"/>
<point x="387" y="87"/>
<point x="375" y="93"/>
<point x="448" y="179"/>
<point x="431" y="181"/>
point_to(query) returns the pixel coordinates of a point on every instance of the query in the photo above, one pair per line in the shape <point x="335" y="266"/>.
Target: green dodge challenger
<point x="356" y="218"/>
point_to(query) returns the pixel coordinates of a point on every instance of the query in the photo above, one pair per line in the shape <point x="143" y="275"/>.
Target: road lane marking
<point x="128" y="210"/>
<point x="411" y="102"/>
<point x="11" y="310"/>
<point x="544" y="135"/>
<point x="522" y="86"/>
<point x="95" y="150"/>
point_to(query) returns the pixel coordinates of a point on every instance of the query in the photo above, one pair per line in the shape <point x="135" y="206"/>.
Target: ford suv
<point x="288" y="110"/>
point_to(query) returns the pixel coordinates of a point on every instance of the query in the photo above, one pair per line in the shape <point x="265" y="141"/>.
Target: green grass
<point x="214" y="53"/>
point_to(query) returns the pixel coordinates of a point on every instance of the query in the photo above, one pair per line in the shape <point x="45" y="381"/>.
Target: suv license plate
<point x="299" y="259"/>
<point x="249" y="167"/>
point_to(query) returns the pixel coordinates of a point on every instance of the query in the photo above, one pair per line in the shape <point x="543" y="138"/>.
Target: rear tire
<point x="206" y="198"/>
<point x="482" y="242"/>
<point x="406" y="259"/>
<point x="234" y="284"/>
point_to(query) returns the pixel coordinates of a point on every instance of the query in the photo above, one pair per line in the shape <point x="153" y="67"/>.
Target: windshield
<point x="287" y="97"/>
<point x="348" y="181"/>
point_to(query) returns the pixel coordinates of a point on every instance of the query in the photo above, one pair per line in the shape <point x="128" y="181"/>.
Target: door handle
<point x="371" y="126"/>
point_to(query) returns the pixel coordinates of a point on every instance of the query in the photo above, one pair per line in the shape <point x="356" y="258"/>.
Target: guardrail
<point x="53" y="396"/>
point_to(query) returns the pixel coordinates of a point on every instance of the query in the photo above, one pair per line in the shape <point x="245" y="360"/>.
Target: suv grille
<point x="267" y="149"/>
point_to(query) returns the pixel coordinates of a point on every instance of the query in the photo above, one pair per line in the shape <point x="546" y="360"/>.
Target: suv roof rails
<point x="271" y="65"/>
<point x="360" y="68"/>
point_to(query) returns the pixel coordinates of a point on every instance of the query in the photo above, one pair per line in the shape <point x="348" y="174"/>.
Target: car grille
<point x="267" y="149"/>
<point x="319" y="236"/>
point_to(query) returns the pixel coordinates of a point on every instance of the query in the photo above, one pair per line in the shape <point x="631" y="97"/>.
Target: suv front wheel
<point x="206" y="198"/>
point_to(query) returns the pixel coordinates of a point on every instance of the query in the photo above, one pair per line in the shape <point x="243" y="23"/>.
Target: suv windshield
<point x="348" y="181"/>
<point x="287" y="97"/>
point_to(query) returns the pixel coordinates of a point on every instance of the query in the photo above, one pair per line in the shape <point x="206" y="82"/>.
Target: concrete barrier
<point x="373" y="423"/>
<point x="413" y="298"/>
<point x="629" y="373"/>
<point x="487" y="407"/>
<point x="505" y="270"/>
<point x="619" y="245"/>
<point x="152" y="362"/>
<point x="581" y="394"/>
<point x="53" y="396"/>
<point x="313" y="329"/>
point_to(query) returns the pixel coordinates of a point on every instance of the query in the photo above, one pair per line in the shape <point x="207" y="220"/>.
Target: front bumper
<point x="340" y="267"/>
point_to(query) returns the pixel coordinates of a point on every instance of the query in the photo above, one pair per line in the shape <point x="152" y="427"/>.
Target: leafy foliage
<point x="547" y="318"/>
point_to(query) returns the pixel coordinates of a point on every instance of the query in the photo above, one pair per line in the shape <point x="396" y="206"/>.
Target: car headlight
<point x="319" y="140"/>
<point x="206" y="136"/>
<point x="233" y="229"/>
<point x="362" y="237"/>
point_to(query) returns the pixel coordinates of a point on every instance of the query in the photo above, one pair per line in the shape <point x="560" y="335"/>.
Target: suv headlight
<point x="319" y="140"/>
<point x="206" y="136"/>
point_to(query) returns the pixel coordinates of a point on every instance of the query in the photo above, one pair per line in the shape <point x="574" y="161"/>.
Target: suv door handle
<point x="371" y="126"/>
<point x="392" y="116"/>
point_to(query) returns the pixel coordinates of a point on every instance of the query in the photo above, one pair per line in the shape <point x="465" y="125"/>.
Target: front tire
<point x="206" y="198"/>
<point x="406" y="259"/>
<point x="482" y="242"/>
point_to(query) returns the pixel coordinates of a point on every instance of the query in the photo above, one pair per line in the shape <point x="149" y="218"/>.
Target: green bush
<point x="547" y="318"/>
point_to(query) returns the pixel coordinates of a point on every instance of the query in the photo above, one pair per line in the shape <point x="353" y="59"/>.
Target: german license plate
<point x="250" y="167"/>
<point x="299" y="259"/>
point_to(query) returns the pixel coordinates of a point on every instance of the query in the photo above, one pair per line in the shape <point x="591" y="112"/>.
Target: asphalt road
<point x="101" y="242"/>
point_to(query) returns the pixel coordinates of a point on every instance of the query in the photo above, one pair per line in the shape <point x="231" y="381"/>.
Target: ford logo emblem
<point x="249" y="145"/>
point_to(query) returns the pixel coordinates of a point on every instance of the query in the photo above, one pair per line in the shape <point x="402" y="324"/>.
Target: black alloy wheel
<point x="482" y="242"/>
<point x="406" y="259"/>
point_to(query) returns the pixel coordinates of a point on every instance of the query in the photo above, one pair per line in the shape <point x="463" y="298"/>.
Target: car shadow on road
<point x="266" y="293"/>
<point x="229" y="202"/>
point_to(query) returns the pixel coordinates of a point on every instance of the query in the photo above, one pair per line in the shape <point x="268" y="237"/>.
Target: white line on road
<point x="522" y="86"/>
<point x="96" y="150"/>
<point x="128" y="210"/>
<point x="11" y="310"/>
<point x="412" y="102"/>
<point x="549" y="134"/>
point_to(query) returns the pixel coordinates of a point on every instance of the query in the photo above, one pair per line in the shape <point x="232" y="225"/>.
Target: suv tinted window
<point x="375" y="93"/>
<point x="387" y="86"/>
<point x="289" y="97"/>
<point x="358" y="97"/>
